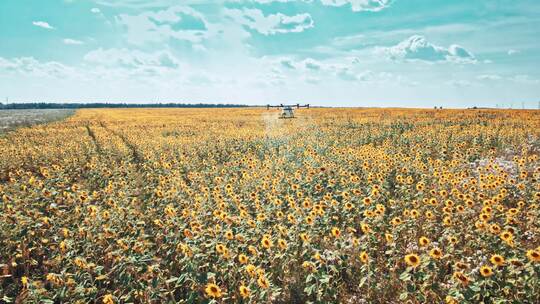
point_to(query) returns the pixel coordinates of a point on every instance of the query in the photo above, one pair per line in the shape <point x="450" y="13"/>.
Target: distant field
<point x="10" y="119"/>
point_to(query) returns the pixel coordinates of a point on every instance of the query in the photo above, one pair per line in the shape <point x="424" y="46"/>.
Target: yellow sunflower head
<point x="412" y="260"/>
<point x="213" y="291"/>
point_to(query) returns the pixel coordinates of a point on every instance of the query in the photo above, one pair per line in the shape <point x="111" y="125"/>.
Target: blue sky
<point x="412" y="53"/>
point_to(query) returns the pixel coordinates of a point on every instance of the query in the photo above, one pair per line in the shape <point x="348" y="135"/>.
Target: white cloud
<point x="72" y="41"/>
<point x="360" y="5"/>
<point x="270" y="24"/>
<point x="132" y="59"/>
<point x="95" y="10"/>
<point x="524" y="79"/>
<point x="512" y="52"/>
<point x="163" y="25"/>
<point x="459" y="83"/>
<point x="417" y="47"/>
<point x="43" y="24"/>
<point x="491" y="77"/>
<point x="29" y="66"/>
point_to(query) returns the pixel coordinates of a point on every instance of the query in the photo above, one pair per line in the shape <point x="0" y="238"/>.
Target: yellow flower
<point x="263" y="282"/>
<point x="497" y="260"/>
<point x="251" y="270"/>
<point x="462" y="278"/>
<point x="244" y="291"/>
<point x="336" y="232"/>
<point x="486" y="271"/>
<point x="282" y="244"/>
<point x="242" y="258"/>
<point x="213" y="291"/>
<point x="309" y="266"/>
<point x="533" y="255"/>
<point x="266" y="242"/>
<point x="364" y="257"/>
<point x="423" y="241"/>
<point x="435" y="253"/>
<point x="108" y="299"/>
<point x="24" y="281"/>
<point x="506" y="236"/>
<point x="412" y="260"/>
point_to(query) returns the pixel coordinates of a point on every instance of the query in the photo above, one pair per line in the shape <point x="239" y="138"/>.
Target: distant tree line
<point x="46" y="105"/>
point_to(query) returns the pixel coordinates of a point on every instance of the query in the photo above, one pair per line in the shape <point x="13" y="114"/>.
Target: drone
<point x="287" y="111"/>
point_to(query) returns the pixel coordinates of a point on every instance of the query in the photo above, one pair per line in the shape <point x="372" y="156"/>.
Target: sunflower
<point x="282" y="244"/>
<point x="495" y="229"/>
<point x="243" y="259"/>
<point x="533" y="255"/>
<point x="423" y="241"/>
<point x="244" y="291"/>
<point x="506" y="236"/>
<point x="251" y="270"/>
<point x="24" y="281"/>
<point x="364" y="257"/>
<point x="365" y="228"/>
<point x="396" y="221"/>
<point x="516" y="262"/>
<point x="336" y="232"/>
<point x="266" y="242"/>
<point x="262" y="281"/>
<point x="213" y="291"/>
<point x="497" y="260"/>
<point x="435" y="253"/>
<point x="486" y="271"/>
<point x="304" y="237"/>
<point x="108" y="299"/>
<point x="220" y="248"/>
<point x="309" y="220"/>
<point x="462" y="278"/>
<point x="309" y="266"/>
<point x="367" y="201"/>
<point x="412" y="260"/>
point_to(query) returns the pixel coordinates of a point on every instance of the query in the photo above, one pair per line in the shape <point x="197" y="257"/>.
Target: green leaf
<point x="325" y="279"/>
<point x="362" y="281"/>
<point x="171" y="280"/>
<point x="403" y="296"/>
<point x="405" y="276"/>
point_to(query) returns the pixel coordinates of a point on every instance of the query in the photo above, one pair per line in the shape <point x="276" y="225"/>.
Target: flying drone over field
<point x="287" y="111"/>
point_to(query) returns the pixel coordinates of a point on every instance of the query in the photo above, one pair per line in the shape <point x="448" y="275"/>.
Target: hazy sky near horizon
<point x="411" y="53"/>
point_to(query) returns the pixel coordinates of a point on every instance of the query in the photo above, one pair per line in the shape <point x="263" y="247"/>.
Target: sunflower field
<point x="238" y="206"/>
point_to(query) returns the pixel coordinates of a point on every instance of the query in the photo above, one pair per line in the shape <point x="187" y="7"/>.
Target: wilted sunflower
<point x="462" y="278"/>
